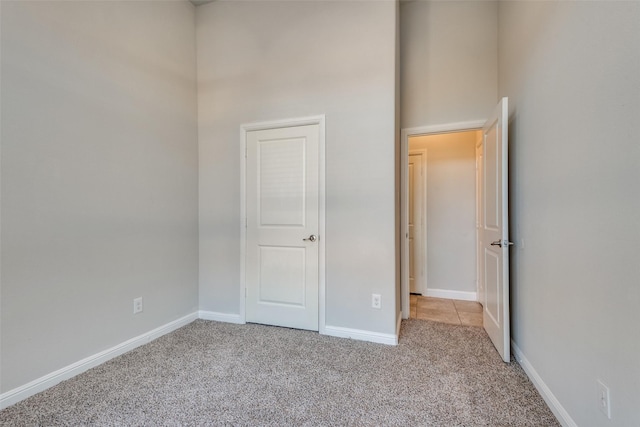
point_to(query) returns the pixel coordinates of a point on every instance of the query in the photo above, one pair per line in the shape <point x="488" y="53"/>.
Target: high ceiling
<point x="199" y="2"/>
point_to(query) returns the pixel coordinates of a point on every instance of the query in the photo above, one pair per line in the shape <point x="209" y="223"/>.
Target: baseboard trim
<point x="36" y="386"/>
<point x="361" y="335"/>
<point x="554" y="404"/>
<point x="220" y="317"/>
<point x="460" y="295"/>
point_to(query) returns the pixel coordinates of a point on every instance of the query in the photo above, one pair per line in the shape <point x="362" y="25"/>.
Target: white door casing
<point x="417" y="222"/>
<point x="495" y="229"/>
<point x="284" y="208"/>
<point x="479" y="247"/>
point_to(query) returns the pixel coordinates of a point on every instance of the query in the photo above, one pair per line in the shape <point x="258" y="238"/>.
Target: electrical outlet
<point x="137" y="305"/>
<point x="604" y="400"/>
<point x="376" y="300"/>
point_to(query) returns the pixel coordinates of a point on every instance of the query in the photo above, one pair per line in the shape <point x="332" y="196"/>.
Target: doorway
<point x="445" y="199"/>
<point x="448" y="198"/>
<point x="492" y="220"/>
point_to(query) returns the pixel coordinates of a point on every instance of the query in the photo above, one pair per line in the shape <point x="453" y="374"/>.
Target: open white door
<point x="495" y="229"/>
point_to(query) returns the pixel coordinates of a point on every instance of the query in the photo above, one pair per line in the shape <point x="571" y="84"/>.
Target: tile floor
<point x="455" y="312"/>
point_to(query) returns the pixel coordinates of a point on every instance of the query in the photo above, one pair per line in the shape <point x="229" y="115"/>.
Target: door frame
<point x="277" y="124"/>
<point x="405" y="134"/>
<point x="479" y="213"/>
<point x="423" y="220"/>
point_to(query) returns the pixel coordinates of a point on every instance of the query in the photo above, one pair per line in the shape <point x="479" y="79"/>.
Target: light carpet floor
<point x="213" y="374"/>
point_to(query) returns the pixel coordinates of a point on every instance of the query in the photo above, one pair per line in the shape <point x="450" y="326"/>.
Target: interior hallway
<point x="454" y="312"/>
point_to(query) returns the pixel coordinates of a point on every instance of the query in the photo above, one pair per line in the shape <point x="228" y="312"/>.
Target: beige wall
<point x="99" y="165"/>
<point x="99" y="178"/>
<point x="451" y="209"/>
<point x="572" y="72"/>
<point x="449" y="61"/>
<point x="261" y="61"/>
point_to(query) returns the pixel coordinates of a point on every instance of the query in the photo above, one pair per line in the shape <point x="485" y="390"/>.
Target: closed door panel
<point x="282" y="227"/>
<point x="282" y="276"/>
<point x="492" y="267"/>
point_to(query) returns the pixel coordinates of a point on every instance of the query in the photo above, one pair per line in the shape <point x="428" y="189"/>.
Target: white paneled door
<point x="282" y="228"/>
<point x="495" y="229"/>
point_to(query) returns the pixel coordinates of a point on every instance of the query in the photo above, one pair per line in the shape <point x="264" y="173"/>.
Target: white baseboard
<point x="36" y="386"/>
<point x="460" y="295"/>
<point x="361" y="335"/>
<point x="220" y="317"/>
<point x="558" y="410"/>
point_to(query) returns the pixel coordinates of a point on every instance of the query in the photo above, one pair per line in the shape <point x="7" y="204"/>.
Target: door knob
<point x="501" y="243"/>
<point x="311" y="238"/>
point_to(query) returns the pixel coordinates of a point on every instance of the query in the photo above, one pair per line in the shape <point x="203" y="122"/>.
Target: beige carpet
<point x="210" y="373"/>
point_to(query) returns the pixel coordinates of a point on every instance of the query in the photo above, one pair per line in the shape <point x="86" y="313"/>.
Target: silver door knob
<point x="311" y="238"/>
<point x="501" y="243"/>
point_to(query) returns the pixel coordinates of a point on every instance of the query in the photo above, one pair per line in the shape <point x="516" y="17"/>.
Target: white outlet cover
<point x="604" y="399"/>
<point x="376" y="301"/>
<point x="137" y="305"/>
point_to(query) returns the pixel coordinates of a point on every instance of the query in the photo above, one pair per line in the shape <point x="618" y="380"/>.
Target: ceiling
<point x="199" y="2"/>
